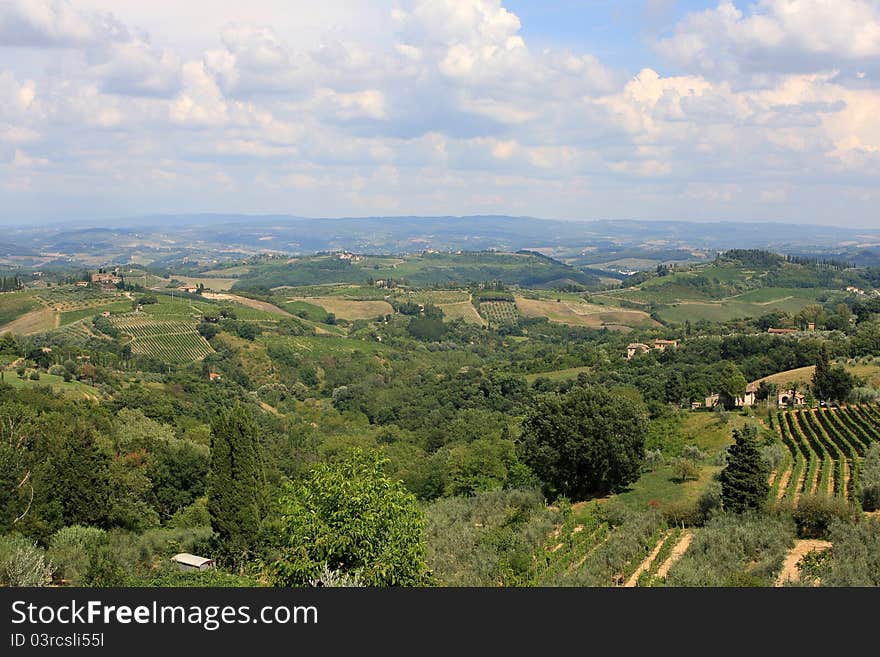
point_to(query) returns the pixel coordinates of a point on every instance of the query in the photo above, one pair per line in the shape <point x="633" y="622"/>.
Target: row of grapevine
<point x="175" y="347"/>
<point x="825" y="447"/>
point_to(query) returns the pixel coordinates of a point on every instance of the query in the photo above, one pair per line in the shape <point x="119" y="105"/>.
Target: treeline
<point x="10" y="283"/>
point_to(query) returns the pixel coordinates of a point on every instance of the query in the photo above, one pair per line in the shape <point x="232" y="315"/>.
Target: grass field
<point x="73" y="389"/>
<point x="349" y="308"/>
<point x="75" y="315"/>
<point x="15" y="304"/>
<point x="558" y="375"/>
<point x="870" y="372"/>
<point x="580" y="313"/>
<point x="36" y="321"/>
<point x="750" y="304"/>
<point x="212" y="284"/>
<point x="329" y="345"/>
<point x="462" y="310"/>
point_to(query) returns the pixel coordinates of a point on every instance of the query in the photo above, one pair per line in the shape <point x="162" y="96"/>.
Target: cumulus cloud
<point x="777" y="37"/>
<point x="455" y="111"/>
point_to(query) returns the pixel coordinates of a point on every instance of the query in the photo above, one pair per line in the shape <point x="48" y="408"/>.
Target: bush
<point x="70" y="549"/>
<point x="23" y="563"/>
<point x="815" y="513"/>
<point x="869" y="479"/>
<point x="35" y="376"/>
<point x="653" y="459"/>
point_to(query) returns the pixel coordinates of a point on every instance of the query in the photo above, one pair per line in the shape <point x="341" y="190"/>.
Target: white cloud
<point x="777" y="36"/>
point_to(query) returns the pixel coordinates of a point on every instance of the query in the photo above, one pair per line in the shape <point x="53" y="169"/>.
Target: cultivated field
<point x="213" y="284"/>
<point x="462" y="310"/>
<point x="35" y="321"/>
<point x="349" y="308"/>
<point x="169" y="340"/>
<point x="499" y="313"/>
<point x="824" y="448"/>
<point x="579" y="313"/>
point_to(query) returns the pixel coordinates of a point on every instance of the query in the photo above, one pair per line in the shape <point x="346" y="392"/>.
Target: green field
<point x="87" y="313"/>
<point x="558" y="375"/>
<point x="73" y="389"/>
<point x="499" y="313"/>
<point x="15" y="304"/>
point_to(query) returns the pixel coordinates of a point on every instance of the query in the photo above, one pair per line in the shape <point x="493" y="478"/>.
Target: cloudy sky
<point x="570" y="109"/>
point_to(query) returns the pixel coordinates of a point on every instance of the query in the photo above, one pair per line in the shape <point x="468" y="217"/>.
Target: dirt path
<point x="799" y="484"/>
<point x="847" y="474"/>
<point x="646" y="564"/>
<point x="831" y="479"/>
<point x="250" y="303"/>
<point x="772" y="477"/>
<point x="677" y="553"/>
<point x="783" y="482"/>
<point x="581" y="561"/>
<point x="814" y="486"/>
<point x="789" y="572"/>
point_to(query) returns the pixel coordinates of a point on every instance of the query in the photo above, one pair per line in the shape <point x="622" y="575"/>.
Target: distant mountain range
<point x="225" y="236"/>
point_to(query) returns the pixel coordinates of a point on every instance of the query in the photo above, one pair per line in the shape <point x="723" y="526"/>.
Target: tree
<point x="586" y="441"/>
<point x="236" y="483"/>
<point x="831" y="383"/>
<point x="352" y="518"/>
<point x="744" y="480"/>
<point x="731" y="384"/>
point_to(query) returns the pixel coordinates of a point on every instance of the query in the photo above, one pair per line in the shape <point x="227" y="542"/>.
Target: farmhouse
<point x="214" y="376"/>
<point x="854" y="290"/>
<point x="790" y="398"/>
<point x="749" y="398"/>
<point x="642" y="348"/>
<point x="103" y="278"/>
<point x="636" y="347"/>
<point x="82" y="283"/>
<point x="186" y="561"/>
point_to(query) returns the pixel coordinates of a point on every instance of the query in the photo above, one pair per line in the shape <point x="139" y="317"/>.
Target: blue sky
<point x="635" y="109"/>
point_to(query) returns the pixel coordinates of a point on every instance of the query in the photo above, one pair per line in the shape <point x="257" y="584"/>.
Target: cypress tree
<point x="236" y="484"/>
<point x="744" y="480"/>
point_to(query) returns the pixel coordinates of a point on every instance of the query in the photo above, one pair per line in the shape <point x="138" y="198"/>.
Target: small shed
<point x="186" y="561"/>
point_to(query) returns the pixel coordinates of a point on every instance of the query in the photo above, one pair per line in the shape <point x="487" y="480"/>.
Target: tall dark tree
<point x="744" y="480"/>
<point x="586" y="441"/>
<point x="831" y="383"/>
<point x="236" y="483"/>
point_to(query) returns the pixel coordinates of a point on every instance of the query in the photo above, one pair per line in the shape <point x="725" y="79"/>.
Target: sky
<point x="564" y="109"/>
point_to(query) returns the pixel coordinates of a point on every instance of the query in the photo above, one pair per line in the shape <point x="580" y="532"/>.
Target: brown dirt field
<point x="646" y="564"/>
<point x="582" y="314"/>
<point x="349" y="308"/>
<point x="36" y="321"/>
<point x="677" y="553"/>
<point x="250" y="303"/>
<point x="789" y="572"/>
<point x="463" y="310"/>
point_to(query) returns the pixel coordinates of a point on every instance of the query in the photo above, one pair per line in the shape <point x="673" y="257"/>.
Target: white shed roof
<point x="191" y="559"/>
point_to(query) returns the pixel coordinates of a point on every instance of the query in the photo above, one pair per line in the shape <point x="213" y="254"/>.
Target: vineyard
<point x="824" y="450"/>
<point x="169" y="340"/>
<point x="499" y="312"/>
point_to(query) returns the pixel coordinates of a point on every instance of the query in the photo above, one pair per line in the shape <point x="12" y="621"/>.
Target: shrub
<point x="869" y="479"/>
<point x="23" y="563"/>
<point x="815" y="513"/>
<point x="70" y="549"/>
<point x="653" y="459"/>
